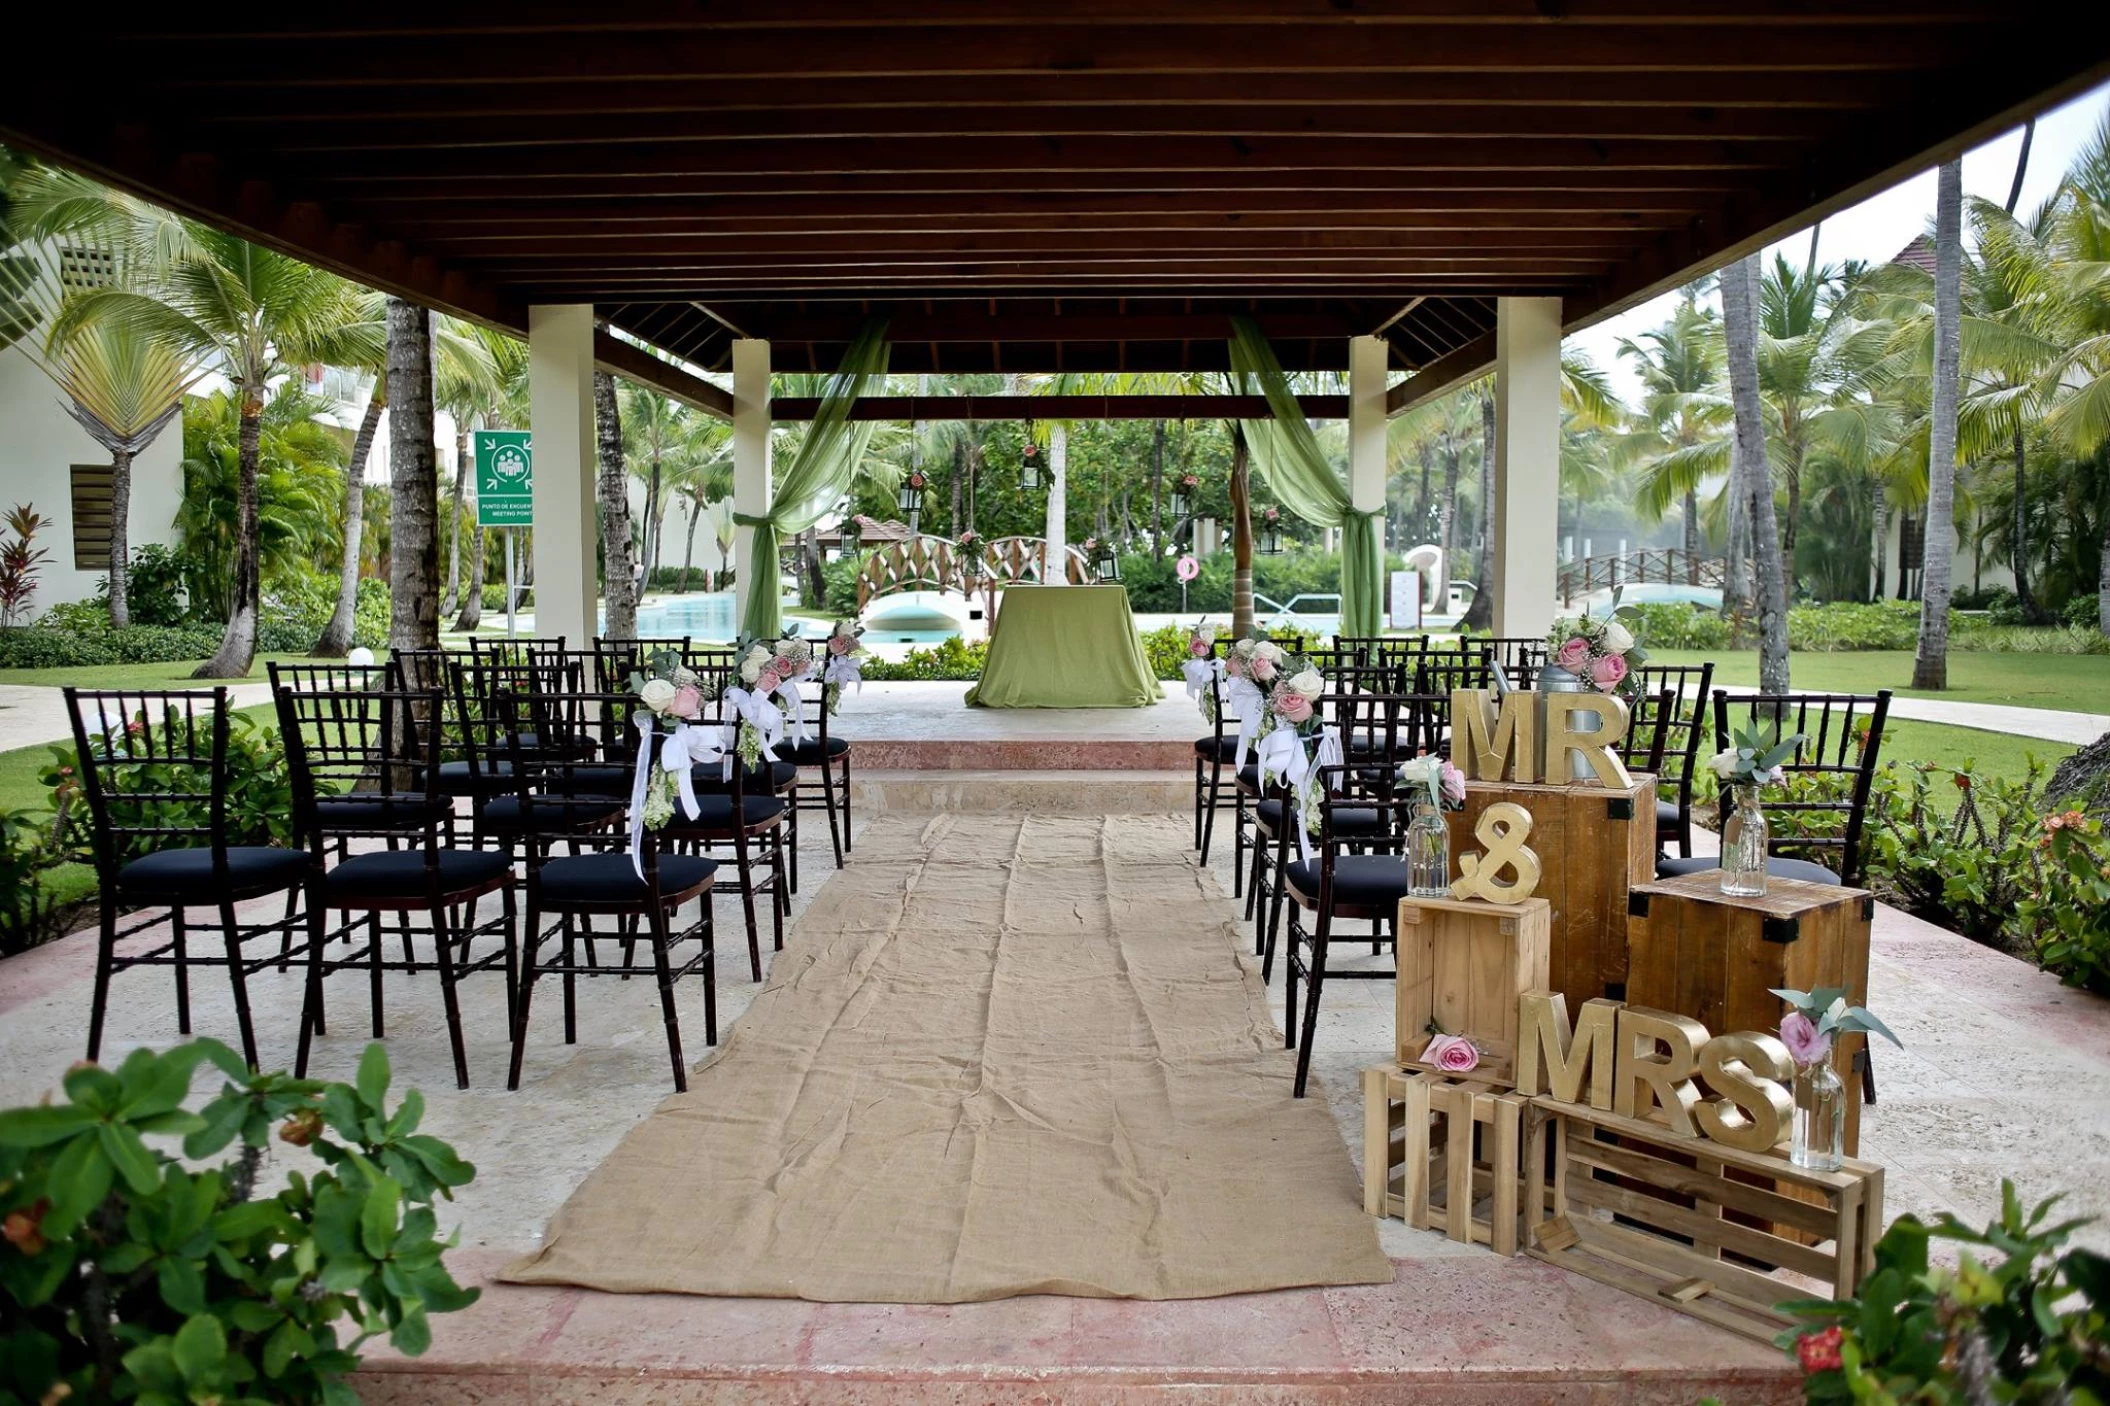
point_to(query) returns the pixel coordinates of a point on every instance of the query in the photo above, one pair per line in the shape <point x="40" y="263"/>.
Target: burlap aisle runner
<point x="1000" y="1055"/>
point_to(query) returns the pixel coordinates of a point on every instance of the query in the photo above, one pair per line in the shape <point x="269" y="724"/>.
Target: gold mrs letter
<point x="1483" y="743"/>
<point x="1545" y="1047"/>
<point x="1753" y="1110"/>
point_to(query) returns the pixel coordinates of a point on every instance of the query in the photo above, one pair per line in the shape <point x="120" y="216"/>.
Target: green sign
<point x="505" y="478"/>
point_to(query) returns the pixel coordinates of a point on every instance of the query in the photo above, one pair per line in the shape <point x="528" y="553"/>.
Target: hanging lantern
<point x="1182" y="498"/>
<point x="1029" y="463"/>
<point x="852" y="532"/>
<point x="967" y="551"/>
<point x="910" y="499"/>
<point x="1270" y="543"/>
<point x="1106" y="567"/>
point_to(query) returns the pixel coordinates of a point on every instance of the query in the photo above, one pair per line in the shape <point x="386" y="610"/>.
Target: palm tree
<point x="255" y="313"/>
<point x="1740" y="338"/>
<point x="298" y="458"/>
<point x="414" y="482"/>
<point x="619" y="578"/>
<point x="1930" y="666"/>
<point x="703" y="475"/>
<point x="651" y="426"/>
<point x="2076" y="293"/>
<point x="122" y="385"/>
<point x="1680" y="434"/>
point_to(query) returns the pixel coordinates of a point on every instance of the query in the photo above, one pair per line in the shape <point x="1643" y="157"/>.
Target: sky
<point x="1877" y="228"/>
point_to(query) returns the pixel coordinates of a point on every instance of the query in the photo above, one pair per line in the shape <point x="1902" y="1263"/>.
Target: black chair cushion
<point x="1777" y="866"/>
<point x="716" y="812"/>
<point x="504" y="812"/>
<point x="1359" y="880"/>
<point x="808" y="753"/>
<point x="488" y="774"/>
<point x="596" y="780"/>
<point x="1219" y="749"/>
<point x="1347" y="820"/>
<point x="1666" y="813"/>
<point x="188" y="873"/>
<point x="1249" y="777"/>
<point x="589" y="879"/>
<point x="781" y="776"/>
<point x="367" y="814"/>
<point x="400" y="873"/>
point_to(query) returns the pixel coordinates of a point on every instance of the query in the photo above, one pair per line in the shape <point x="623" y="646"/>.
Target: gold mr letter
<point x="1595" y="743"/>
<point x="1484" y="743"/>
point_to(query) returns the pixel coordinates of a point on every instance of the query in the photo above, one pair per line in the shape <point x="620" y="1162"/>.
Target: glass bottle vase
<point x="1744" y="844"/>
<point x="1428" y="853"/>
<point x="1820" y="1118"/>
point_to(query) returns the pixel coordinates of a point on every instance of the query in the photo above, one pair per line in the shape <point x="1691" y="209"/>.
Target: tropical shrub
<point x="259" y="792"/>
<point x="494" y="597"/>
<point x="26" y="910"/>
<point x="1677" y="625"/>
<point x="20" y="562"/>
<point x="154" y="587"/>
<point x="128" y="1275"/>
<point x="951" y="659"/>
<point x="2070" y="916"/>
<point x="1970" y="871"/>
<point x="1841" y="626"/>
<point x="47" y="645"/>
<point x="1852" y="625"/>
<point x="2029" y="1326"/>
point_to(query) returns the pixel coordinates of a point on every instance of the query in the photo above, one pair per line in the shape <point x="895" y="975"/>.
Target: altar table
<point x="1065" y="647"/>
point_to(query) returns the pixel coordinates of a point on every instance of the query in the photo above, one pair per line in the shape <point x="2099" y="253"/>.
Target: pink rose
<point x="1198" y="647"/>
<point x="841" y="644"/>
<point x="1453" y="1054"/>
<point x="1608" y="671"/>
<point x="768" y="681"/>
<point x="782" y="667"/>
<point x="1573" y="655"/>
<point x="1453" y="784"/>
<point x="1262" y="670"/>
<point x="1805" y="1045"/>
<point x="688" y="701"/>
<point x="1234" y="667"/>
<point x="1293" y="707"/>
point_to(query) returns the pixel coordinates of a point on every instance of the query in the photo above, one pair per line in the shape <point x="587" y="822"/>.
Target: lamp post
<point x="910" y="498"/>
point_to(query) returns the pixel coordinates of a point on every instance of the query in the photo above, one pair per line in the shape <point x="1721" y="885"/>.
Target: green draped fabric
<point x="1288" y="456"/>
<point x="819" y="476"/>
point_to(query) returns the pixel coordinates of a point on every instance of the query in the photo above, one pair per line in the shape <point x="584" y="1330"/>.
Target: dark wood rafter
<point x="1090" y="186"/>
<point x="906" y="408"/>
<point x="632" y="363"/>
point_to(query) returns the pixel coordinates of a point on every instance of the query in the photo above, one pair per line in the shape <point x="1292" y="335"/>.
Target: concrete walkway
<point x="2050" y="724"/>
<point x="34" y="714"/>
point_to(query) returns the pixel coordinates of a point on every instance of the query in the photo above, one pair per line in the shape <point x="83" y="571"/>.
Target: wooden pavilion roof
<point x="1033" y="185"/>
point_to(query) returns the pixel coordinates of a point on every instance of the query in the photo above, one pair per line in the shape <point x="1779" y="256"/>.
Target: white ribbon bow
<point x="843" y="670"/>
<point x="1247" y="704"/>
<point x="684" y="747"/>
<point x="794" y="709"/>
<point x="1199" y="672"/>
<point x="758" y="712"/>
<point x="1298" y="761"/>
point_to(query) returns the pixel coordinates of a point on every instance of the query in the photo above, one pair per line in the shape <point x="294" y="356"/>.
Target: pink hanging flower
<point x="1806" y="1046"/>
<point x="1609" y="671"/>
<point x="1198" y="647"/>
<point x="1263" y="669"/>
<point x="783" y="667"/>
<point x="1573" y="655"/>
<point x="768" y="681"/>
<point x="1453" y="784"/>
<point x="841" y="644"/>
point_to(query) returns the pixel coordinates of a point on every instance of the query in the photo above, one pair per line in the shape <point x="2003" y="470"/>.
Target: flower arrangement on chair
<point x="1249" y="668"/>
<point x="1200" y="665"/>
<point x="1295" y="743"/>
<point x="1599" y="651"/>
<point x="769" y="669"/>
<point x="846" y="655"/>
<point x="671" y="696"/>
<point x="967" y="551"/>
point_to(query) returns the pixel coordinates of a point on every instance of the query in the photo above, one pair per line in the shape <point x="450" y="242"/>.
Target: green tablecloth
<point x="1065" y="647"/>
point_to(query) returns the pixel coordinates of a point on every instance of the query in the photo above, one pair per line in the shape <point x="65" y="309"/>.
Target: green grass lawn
<point x="176" y="675"/>
<point x="2074" y="682"/>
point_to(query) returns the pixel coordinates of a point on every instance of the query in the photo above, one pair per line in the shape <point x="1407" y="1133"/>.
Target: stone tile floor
<point x="2004" y="1072"/>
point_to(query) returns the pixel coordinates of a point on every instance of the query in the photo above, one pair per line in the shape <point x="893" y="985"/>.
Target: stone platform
<point x="929" y="727"/>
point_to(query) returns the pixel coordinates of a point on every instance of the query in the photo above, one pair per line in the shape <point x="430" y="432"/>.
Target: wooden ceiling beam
<point x="941" y="51"/>
<point x="1441" y="376"/>
<point x="947" y="325"/>
<point x="292" y="102"/>
<point x="886" y="263"/>
<point x="1067" y="237"/>
<point x="905" y="408"/>
<point x="619" y="358"/>
<point x="1170" y="158"/>
<point x="1376" y="124"/>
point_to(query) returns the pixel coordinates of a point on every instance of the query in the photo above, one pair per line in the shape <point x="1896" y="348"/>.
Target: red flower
<point x="21" y="1228"/>
<point x="1819" y="1352"/>
<point x="1963" y="781"/>
<point x="301" y="1128"/>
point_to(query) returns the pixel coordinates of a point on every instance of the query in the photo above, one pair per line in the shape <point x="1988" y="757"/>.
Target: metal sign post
<point x="505" y="499"/>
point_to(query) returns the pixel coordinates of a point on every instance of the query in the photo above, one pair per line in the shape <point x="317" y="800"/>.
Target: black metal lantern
<point x="1270" y="536"/>
<point x="910" y="498"/>
<point x="1029" y="463"/>
<point x="1179" y="503"/>
<point x="852" y="532"/>
<point x="1106" y="567"/>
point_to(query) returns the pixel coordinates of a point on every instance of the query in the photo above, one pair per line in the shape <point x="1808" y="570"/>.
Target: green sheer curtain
<point x="1287" y="454"/>
<point x="819" y="476"/>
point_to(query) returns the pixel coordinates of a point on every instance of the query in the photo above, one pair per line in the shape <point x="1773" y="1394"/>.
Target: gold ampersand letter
<point x="1503" y="827"/>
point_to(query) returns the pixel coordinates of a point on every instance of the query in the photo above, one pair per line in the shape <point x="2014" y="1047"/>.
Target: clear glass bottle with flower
<point x="1428" y="837"/>
<point x="1757" y="760"/>
<point x="1809" y="1030"/>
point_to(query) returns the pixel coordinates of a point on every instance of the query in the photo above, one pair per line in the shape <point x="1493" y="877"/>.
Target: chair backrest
<point x="421" y="669"/>
<point x="1647" y="741"/>
<point x="1441" y="671"/>
<point x="1335" y="662"/>
<point x="545" y="780"/>
<point x="614" y="659"/>
<point x="517" y="650"/>
<point x="366" y="743"/>
<point x="1385" y="727"/>
<point x="319" y="678"/>
<point x="1691" y="688"/>
<point x="153" y="767"/>
<point x="1822" y="813"/>
<point x="714" y="664"/>
<point x="1521" y="656"/>
<point x="1385" y="649"/>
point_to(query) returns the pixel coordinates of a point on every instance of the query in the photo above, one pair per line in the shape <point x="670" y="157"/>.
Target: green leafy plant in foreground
<point x="2031" y="1327"/>
<point x="127" y="1276"/>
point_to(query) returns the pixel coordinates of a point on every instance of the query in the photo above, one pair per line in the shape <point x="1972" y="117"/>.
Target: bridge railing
<point x="926" y="563"/>
<point x="1660" y="565"/>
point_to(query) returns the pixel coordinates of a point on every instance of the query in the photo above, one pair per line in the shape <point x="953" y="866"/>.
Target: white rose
<point x="1617" y="639"/>
<point x="657" y="694"/>
<point x="1723" y="764"/>
<point x="751" y="669"/>
<point x="1308" y="683"/>
<point x="1270" y="651"/>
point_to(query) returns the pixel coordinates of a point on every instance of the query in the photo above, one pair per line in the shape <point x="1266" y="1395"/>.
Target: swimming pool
<point x="710" y="616"/>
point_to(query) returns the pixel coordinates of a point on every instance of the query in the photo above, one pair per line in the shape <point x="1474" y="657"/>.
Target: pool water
<point x="710" y="617"/>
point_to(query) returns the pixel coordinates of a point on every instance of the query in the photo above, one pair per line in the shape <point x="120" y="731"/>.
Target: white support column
<point x="752" y="480"/>
<point x="1527" y="464"/>
<point x="1055" y="565"/>
<point x="560" y="404"/>
<point x="1366" y="427"/>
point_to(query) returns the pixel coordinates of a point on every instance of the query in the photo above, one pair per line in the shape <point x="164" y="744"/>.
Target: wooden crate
<point x="1413" y="1124"/>
<point x="1463" y="963"/>
<point x="1718" y="958"/>
<point x="1633" y="1205"/>
<point x="1595" y="845"/>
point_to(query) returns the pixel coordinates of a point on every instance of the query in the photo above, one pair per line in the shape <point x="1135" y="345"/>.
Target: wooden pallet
<point x="1630" y="1204"/>
<point x="1462" y="964"/>
<point x="1413" y="1123"/>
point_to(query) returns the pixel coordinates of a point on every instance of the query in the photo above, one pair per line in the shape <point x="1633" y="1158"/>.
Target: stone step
<point x="1023" y="754"/>
<point x="1089" y="791"/>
